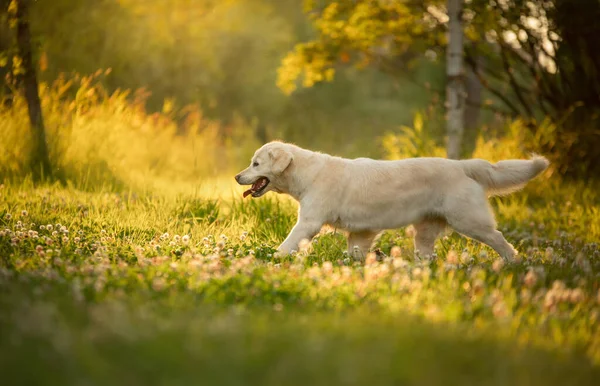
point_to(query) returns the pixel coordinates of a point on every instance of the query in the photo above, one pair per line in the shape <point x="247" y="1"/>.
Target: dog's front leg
<point x="303" y="229"/>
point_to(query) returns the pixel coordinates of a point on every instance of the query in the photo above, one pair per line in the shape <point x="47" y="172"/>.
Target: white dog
<point x="365" y="196"/>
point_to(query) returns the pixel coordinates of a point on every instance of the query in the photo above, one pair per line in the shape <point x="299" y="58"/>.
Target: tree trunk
<point x="455" y="93"/>
<point x="40" y="160"/>
<point x="5" y="45"/>
<point x="473" y="89"/>
<point x="6" y="95"/>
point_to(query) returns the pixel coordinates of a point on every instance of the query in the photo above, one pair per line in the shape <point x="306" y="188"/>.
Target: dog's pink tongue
<point x="247" y="192"/>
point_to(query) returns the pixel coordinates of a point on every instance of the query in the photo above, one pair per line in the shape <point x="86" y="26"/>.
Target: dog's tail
<point x="504" y="177"/>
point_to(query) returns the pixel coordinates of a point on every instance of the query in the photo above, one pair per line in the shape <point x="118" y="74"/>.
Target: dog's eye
<point x="255" y="164"/>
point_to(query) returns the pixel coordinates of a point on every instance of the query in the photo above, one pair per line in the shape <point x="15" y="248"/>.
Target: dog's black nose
<point x="237" y="178"/>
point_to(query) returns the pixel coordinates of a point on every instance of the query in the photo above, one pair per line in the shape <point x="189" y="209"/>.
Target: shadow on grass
<point x="124" y="342"/>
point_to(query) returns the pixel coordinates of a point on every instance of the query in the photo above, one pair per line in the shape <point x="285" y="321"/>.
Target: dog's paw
<point x="514" y="259"/>
<point x="281" y="254"/>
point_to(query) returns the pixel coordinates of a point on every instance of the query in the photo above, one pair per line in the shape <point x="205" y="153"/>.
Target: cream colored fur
<point x="365" y="196"/>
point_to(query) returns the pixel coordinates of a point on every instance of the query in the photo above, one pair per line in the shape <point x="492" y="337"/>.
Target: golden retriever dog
<point x="364" y="196"/>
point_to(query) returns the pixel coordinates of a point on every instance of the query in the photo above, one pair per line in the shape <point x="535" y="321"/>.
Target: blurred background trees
<point x="351" y="77"/>
<point x="537" y="59"/>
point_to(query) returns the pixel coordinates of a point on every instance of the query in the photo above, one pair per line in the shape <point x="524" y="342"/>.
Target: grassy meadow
<point x="120" y="288"/>
<point x="143" y="266"/>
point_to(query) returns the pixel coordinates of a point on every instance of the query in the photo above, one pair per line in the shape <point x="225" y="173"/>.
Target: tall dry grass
<point x="108" y="139"/>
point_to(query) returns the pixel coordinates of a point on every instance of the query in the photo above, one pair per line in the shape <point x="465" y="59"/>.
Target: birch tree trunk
<point x="455" y="92"/>
<point x="40" y="160"/>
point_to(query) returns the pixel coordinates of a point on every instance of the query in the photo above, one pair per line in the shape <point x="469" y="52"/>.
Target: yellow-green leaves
<point x="365" y="32"/>
<point x="309" y="60"/>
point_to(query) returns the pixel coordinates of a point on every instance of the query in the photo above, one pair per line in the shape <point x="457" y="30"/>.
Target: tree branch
<point x="513" y="81"/>
<point x="471" y="62"/>
<point x="551" y="89"/>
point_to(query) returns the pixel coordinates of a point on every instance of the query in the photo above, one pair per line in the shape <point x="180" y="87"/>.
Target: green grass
<point x="167" y="290"/>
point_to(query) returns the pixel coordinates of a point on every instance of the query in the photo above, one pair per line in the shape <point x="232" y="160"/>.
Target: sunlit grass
<point x="165" y="288"/>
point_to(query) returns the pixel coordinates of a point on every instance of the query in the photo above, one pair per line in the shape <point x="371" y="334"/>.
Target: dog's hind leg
<point x="427" y="232"/>
<point x="492" y="237"/>
<point x="359" y="243"/>
<point x="469" y="213"/>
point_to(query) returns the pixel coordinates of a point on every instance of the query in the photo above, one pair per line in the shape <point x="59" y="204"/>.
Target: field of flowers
<point x="106" y="288"/>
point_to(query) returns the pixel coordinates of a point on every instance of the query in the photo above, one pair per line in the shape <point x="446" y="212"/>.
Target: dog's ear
<point x="280" y="159"/>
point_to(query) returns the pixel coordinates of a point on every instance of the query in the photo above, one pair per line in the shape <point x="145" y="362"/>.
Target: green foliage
<point x="122" y="288"/>
<point x="515" y="140"/>
<point x="415" y="141"/>
<point x="542" y="60"/>
<point x="364" y="32"/>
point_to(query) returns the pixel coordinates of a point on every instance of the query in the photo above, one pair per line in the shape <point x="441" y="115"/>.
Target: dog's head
<point x="266" y="169"/>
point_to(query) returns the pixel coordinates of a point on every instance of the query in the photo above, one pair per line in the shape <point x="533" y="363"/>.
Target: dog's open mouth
<point x="257" y="187"/>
